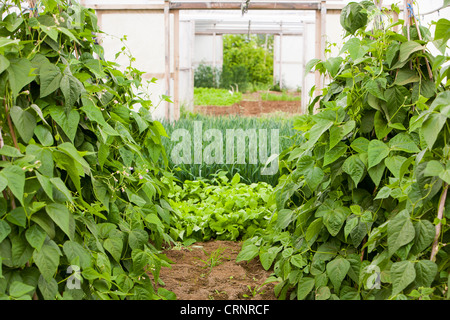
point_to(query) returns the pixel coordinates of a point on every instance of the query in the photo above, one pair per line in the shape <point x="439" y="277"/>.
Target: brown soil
<point x="251" y="105"/>
<point x="190" y="278"/>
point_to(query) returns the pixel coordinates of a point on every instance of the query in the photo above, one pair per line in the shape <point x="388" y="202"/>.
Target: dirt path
<point x="194" y="277"/>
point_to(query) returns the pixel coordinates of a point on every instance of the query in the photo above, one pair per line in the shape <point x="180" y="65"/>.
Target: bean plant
<point x="82" y="205"/>
<point x="362" y="204"/>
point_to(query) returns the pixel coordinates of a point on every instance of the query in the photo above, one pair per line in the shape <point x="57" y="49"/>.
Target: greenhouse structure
<point x="224" y="150"/>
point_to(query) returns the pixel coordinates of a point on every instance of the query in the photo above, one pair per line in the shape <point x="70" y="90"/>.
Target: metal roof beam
<point x="226" y="5"/>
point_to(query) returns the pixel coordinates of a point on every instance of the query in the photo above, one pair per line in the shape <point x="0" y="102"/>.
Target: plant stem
<point x="11" y="127"/>
<point x="440" y="214"/>
<point x="6" y="194"/>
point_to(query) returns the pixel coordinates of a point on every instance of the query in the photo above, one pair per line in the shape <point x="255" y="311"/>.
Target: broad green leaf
<point x="360" y="145"/>
<point x="376" y="87"/>
<point x="310" y="64"/>
<point x="20" y="74"/>
<point x="402" y="274"/>
<point x="35" y="236"/>
<point x="21" y="251"/>
<point x="62" y="217"/>
<point x="4" y="42"/>
<point x="298" y="261"/>
<point x="94" y="114"/>
<point x="377" y="151"/>
<point x="408" y="48"/>
<point x="152" y="218"/>
<point x="314" y="178"/>
<point x="394" y="164"/>
<point x="354" y="48"/>
<point x="305" y="285"/>
<point x="354" y="167"/>
<point x="18" y="217"/>
<point x="400" y="231"/>
<point x="335" y="153"/>
<point x="403" y="142"/>
<point x="284" y="218"/>
<point x="50" y="77"/>
<point x="49" y="290"/>
<point x="5" y="229"/>
<point x="381" y="126"/>
<point x="350" y="224"/>
<point x="376" y="173"/>
<point x="10" y="152"/>
<point x="137" y="238"/>
<point x="426" y="270"/>
<point x="4" y="63"/>
<point x="247" y="253"/>
<point x="45" y="222"/>
<point x="405" y="76"/>
<point x="313" y="229"/>
<point x="267" y="256"/>
<point x="69" y="149"/>
<point x="3" y="183"/>
<point x="358" y="233"/>
<point x="431" y="128"/>
<point x="353" y="16"/>
<point x="445" y="176"/>
<point x="316" y="132"/>
<point x="337" y="270"/>
<point x="16" y="180"/>
<point x="50" y="31"/>
<point x="44" y="156"/>
<point x="114" y="246"/>
<point x="332" y="65"/>
<point x="323" y="293"/>
<point x="334" y="219"/>
<point x="44" y="135"/>
<point x="442" y="30"/>
<point x="160" y="128"/>
<point x="67" y="122"/>
<point x="47" y="260"/>
<point x="24" y="121"/>
<point x="61" y="186"/>
<point x="75" y="252"/>
<point x="424" y="235"/>
<point x="140" y="259"/>
<point x="18" y="289"/>
<point x="383" y="193"/>
<point x="73" y="168"/>
<point x="71" y="88"/>
<point x="391" y="52"/>
<point x="433" y="169"/>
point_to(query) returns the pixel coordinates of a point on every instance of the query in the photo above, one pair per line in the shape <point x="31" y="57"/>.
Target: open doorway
<point x="243" y="61"/>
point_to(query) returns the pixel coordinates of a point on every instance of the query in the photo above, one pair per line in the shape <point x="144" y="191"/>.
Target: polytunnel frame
<point x="173" y="7"/>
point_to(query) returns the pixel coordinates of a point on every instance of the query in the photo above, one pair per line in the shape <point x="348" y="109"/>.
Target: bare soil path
<point x="195" y="275"/>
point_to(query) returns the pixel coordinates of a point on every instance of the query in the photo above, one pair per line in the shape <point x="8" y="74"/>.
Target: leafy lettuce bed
<point x="221" y="209"/>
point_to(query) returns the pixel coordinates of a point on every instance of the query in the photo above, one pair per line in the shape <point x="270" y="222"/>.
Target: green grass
<point x="250" y="173"/>
<point x="284" y="96"/>
<point x="215" y="97"/>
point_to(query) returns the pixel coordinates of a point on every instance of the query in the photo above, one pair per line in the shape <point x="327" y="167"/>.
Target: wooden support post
<point x="280" y="70"/>
<point x="304" y="51"/>
<point x="318" y="49"/>
<point x="176" y="52"/>
<point x="214" y="49"/>
<point x="167" y="56"/>
<point x="395" y="14"/>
